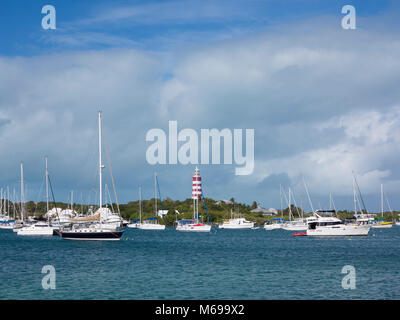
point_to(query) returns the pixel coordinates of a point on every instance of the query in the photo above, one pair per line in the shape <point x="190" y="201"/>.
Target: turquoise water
<point x="224" y="264"/>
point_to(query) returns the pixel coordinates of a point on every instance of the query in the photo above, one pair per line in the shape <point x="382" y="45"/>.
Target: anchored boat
<point x="194" y="225"/>
<point x="95" y="230"/>
<point x="332" y="226"/>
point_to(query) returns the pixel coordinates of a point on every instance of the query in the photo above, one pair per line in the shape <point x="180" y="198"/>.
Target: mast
<point x="382" y="200"/>
<point x="155" y="193"/>
<point x="140" y="204"/>
<point x="101" y="166"/>
<point x="14" y="199"/>
<point x="290" y="205"/>
<point x="72" y="200"/>
<point x="280" y="193"/>
<point x="47" y="186"/>
<point x="8" y="201"/>
<point x="22" y="193"/>
<point x="355" y="197"/>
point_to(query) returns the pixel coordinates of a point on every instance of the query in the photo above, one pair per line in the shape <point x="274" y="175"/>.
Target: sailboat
<point x="94" y="229"/>
<point x="274" y="224"/>
<point x="6" y="222"/>
<point x="135" y="223"/>
<point x="194" y="225"/>
<point x="39" y="228"/>
<point x="298" y="224"/>
<point x="151" y="223"/>
<point x="381" y="224"/>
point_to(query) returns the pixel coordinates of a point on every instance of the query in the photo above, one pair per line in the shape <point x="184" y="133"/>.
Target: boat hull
<point x="194" y="228"/>
<point x="150" y="226"/>
<point x="381" y="226"/>
<point x="345" y="230"/>
<point x="42" y="231"/>
<point x="272" y="226"/>
<point x="294" y="227"/>
<point x="92" y="235"/>
<point x="236" y="226"/>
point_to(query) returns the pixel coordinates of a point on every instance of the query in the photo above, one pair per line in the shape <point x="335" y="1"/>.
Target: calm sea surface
<point x="224" y="264"/>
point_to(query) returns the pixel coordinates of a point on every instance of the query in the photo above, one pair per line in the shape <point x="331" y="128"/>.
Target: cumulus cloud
<point x="322" y="101"/>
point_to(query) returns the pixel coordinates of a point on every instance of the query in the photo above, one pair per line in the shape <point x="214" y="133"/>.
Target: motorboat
<point x="332" y="226"/>
<point x="273" y="224"/>
<point x="236" y="223"/>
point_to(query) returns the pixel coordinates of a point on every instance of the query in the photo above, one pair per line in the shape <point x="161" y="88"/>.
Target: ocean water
<point x="224" y="264"/>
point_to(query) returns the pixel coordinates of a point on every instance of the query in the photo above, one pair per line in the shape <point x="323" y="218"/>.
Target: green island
<point x="218" y="210"/>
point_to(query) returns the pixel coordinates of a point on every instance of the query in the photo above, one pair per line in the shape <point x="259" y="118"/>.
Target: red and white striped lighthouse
<point x="196" y="185"/>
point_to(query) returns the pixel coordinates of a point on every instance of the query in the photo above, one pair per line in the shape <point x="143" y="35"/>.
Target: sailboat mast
<point x="382" y="200"/>
<point x="47" y="186"/>
<point x="140" y="204"/>
<point x="100" y="165"/>
<point x="354" y="197"/>
<point x="22" y="193"/>
<point x="290" y="205"/>
<point x="155" y="193"/>
<point x="8" y="201"/>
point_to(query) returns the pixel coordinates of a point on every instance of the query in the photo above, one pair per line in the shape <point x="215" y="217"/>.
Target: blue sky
<point x="323" y="101"/>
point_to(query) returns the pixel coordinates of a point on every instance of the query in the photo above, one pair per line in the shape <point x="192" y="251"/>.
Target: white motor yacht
<point x="332" y="226"/>
<point x="236" y="223"/>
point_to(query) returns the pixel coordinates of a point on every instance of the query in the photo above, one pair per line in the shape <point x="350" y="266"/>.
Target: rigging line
<point x="109" y="198"/>
<point x="159" y="194"/>
<point x="54" y="200"/>
<point x="294" y="200"/>
<point x="391" y="211"/>
<point x="112" y="177"/>
<point x="286" y="199"/>
<point x="308" y="195"/>
<point x="358" y="189"/>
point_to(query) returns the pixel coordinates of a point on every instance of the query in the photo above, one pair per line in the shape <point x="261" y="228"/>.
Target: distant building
<point x="223" y="201"/>
<point x="270" y="211"/>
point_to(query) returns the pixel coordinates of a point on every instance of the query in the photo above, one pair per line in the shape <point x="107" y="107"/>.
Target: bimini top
<point x="153" y="218"/>
<point x="185" y="221"/>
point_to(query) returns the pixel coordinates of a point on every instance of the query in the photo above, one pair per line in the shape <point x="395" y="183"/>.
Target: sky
<point x="323" y="101"/>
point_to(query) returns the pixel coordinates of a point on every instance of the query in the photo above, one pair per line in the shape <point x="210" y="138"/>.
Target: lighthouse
<point x="196" y="192"/>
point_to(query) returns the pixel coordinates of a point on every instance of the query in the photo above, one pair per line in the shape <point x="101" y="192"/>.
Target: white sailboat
<point x="381" y="224"/>
<point x="6" y="222"/>
<point x="297" y="224"/>
<point x="194" y="225"/>
<point x="135" y="223"/>
<point x="95" y="228"/>
<point x="275" y="224"/>
<point x="39" y="228"/>
<point x="152" y="224"/>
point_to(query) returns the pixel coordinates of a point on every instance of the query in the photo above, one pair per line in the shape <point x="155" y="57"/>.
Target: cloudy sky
<point x="323" y="101"/>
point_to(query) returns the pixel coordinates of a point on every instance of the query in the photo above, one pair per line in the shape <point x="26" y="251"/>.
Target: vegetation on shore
<point x="218" y="210"/>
